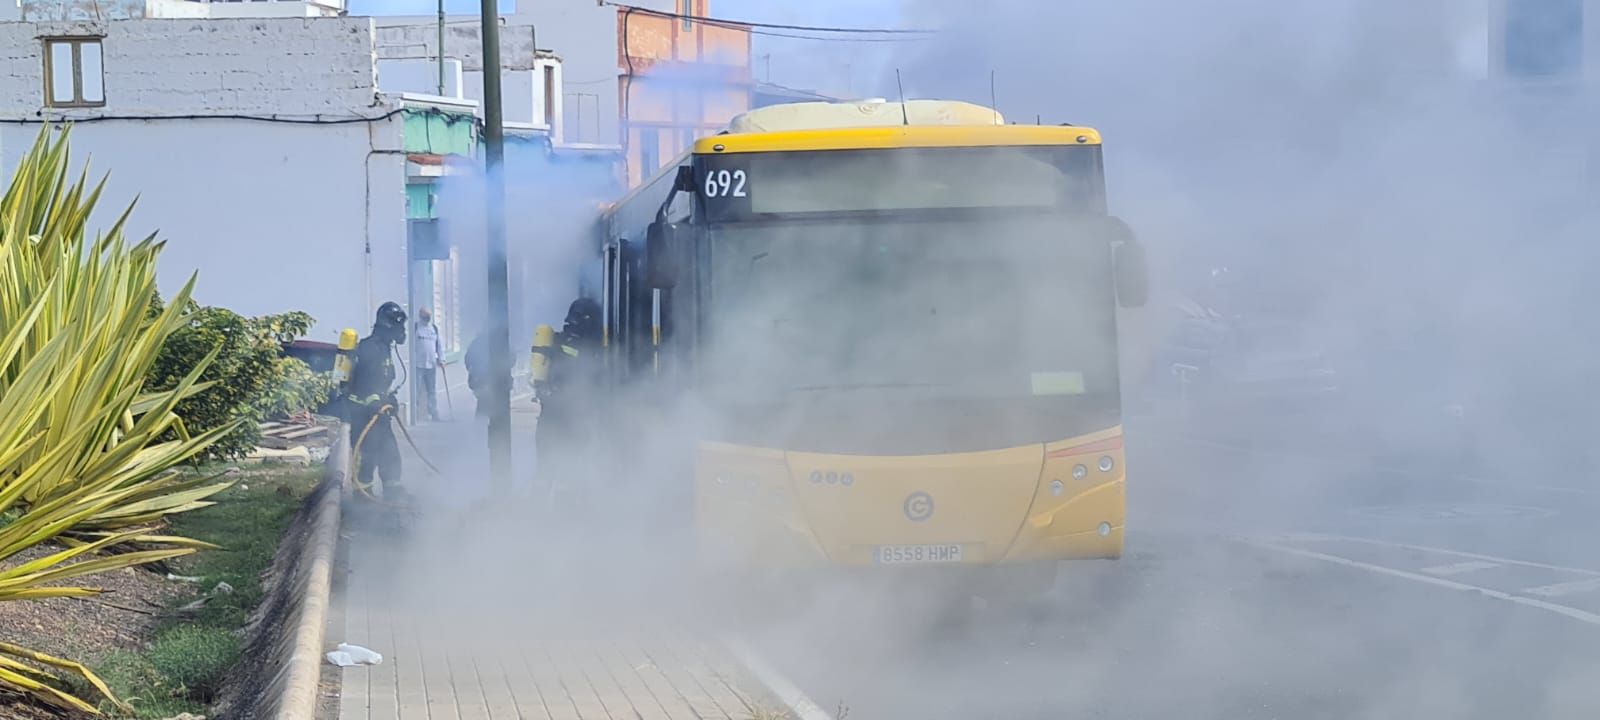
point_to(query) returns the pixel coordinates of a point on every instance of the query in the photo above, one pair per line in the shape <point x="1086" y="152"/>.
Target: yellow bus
<point x="894" y="326"/>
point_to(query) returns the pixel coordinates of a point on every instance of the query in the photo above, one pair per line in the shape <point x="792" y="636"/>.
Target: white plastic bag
<point x="361" y="655"/>
<point x="348" y="655"/>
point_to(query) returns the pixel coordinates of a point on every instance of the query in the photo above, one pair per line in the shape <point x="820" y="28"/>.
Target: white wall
<point x="521" y="94"/>
<point x="414" y="36"/>
<point x="73" y="10"/>
<point x="274" y="9"/>
<point x="518" y="89"/>
<point x="420" y="77"/>
<point x="284" y="67"/>
<point x="82" y="9"/>
<point x="274" y="216"/>
<point x="582" y="33"/>
<point x="271" y="216"/>
<point x="585" y="36"/>
<point x="176" y="9"/>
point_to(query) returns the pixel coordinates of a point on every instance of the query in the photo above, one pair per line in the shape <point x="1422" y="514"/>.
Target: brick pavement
<point x="585" y="673"/>
<point x="464" y="647"/>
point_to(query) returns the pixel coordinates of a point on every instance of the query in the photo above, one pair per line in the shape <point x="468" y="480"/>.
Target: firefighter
<point x="371" y="398"/>
<point x="481" y="374"/>
<point x="567" y="400"/>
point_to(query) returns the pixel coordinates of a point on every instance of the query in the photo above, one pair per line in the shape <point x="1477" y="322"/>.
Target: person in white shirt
<point x="430" y="353"/>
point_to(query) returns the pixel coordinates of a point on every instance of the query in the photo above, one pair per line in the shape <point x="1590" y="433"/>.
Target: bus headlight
<point x="1057" y="487"/>
<point x="1106" y="463"/>
<point x="1079" y="472"/>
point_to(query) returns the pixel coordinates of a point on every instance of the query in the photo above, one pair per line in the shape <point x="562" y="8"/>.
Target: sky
<point x="850" y="69"/>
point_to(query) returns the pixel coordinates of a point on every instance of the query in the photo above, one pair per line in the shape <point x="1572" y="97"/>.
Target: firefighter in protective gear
<point x="370" y="394"/>
<point x="574" y="359"/>
<point x="568" y="398"/>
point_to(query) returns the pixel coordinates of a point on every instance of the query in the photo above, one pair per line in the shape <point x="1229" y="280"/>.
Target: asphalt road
<point x="1258" y="584"/>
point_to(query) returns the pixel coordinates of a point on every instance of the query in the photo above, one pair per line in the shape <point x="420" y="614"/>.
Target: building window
<point x="649" y="152"/>
<point x="73" y="73"/>
<point x="550" y="97"/>
<point x="1543" y="38"/>
<point x="686" y="9"/>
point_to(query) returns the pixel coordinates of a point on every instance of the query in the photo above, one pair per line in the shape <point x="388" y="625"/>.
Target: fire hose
<point x="355" y="452"/>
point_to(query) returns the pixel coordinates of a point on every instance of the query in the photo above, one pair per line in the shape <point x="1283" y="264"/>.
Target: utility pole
<point x="495" y="254"/>
<point x="441" y="48"/>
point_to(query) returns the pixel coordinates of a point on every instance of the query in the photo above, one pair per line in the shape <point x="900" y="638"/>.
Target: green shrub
<point x="294" y="388"/>
<point x="253" y="379"/>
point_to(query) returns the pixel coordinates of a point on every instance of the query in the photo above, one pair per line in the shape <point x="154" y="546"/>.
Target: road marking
<point x="788" y="693"/>
<point x="1563" y="610"/>
<point x="1458" y="568"/>
<point x="1303" y="537"/>
<point x="1566" y="588"/>
<point x="1467" y="511"/>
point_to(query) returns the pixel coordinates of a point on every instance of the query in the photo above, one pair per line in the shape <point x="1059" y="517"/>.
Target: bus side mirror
<point x="1129" y="265"/>
<point x="662" y="246"/>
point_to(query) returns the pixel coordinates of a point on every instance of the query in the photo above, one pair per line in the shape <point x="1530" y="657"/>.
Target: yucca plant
<point x="86" y="455"/>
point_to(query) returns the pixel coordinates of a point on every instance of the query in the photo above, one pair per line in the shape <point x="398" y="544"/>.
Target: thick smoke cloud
<point x="551" y="204"/>
<point x="1379" y="198"/>
<point x="1357" y="167"/>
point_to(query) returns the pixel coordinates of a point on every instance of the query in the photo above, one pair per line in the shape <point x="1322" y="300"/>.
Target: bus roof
<point x="896" y="136"/>
<point x="862" y="113"/>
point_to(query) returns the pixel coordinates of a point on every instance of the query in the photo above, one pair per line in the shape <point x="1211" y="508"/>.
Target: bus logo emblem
<point x="918" y="506"/>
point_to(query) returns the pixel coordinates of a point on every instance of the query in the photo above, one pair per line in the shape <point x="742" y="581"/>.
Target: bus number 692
<point x="723" y="183"/>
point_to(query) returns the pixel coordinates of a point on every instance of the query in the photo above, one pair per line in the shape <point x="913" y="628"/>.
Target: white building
<point x="554" y="180"/>
<point x="586" y="35"/>
<point x="277" y="155"/>
<point x="530" y="78"/>
<point x="50" y="10"/>
<point x="262" y="150"/>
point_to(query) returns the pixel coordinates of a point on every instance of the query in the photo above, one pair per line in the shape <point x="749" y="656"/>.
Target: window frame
<point x="548" y="79"/>
<point x="76" y="42"/>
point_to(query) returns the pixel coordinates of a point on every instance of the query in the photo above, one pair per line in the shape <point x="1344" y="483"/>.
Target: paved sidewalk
<point x="485" y="619"/>
<point x="558" y="673"/>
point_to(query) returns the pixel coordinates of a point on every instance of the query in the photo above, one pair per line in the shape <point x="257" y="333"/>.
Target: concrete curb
<point x="296" y="696"/>
<point x="795" y="700"/>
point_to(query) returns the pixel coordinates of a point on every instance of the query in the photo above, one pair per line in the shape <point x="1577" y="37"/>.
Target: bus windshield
<point x="978" y="313"/>
<point x="763" y="185"/>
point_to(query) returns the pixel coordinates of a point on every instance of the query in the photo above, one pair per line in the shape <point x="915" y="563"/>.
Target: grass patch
<point x="183" y="667"/>
<point x="247" y="521"/>
<point x="194" y="658"/>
